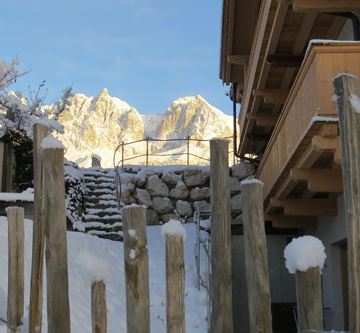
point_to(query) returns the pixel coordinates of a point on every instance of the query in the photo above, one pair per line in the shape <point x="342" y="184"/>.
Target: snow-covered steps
<point x="102" y="215"/>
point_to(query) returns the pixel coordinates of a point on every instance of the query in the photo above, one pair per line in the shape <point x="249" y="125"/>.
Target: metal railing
<point x="120" y="149"/>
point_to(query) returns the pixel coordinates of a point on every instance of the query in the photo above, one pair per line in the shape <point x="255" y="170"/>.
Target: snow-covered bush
<point x="17" y="117"/>
<point x="74" y="196"/>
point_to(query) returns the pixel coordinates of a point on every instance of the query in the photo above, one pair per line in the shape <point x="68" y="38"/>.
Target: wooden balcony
<point x="306" y="135"/>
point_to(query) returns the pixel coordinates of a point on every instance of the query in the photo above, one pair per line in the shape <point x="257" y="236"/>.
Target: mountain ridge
<point x="98" y="124"/>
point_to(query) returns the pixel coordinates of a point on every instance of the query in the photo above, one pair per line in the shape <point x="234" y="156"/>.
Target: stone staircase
<point x="102" y="215"/>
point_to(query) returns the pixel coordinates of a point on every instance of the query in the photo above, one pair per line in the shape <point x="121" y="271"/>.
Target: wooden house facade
<point x="280" y="58"/>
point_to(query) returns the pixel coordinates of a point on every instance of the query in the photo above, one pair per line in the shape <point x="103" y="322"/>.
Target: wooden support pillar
<point x="58" y="312"/>
<point x="38" y="242"/>
<point x="256" y="264"/>
<point x="221" y="286"/>
<point x="15" y="300"/>
<point x="136" y="262"/>
<point x="347" y="89"/>
<point x="98" y="307"/>
<point x="175" y="284"/>
<point x="309" y="300"/>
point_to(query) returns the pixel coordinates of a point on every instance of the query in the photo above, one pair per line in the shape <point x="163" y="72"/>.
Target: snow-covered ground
<point x="112" y="253"/>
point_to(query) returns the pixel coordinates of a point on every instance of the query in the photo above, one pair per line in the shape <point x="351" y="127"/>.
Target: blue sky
<point x="146" y="52"/>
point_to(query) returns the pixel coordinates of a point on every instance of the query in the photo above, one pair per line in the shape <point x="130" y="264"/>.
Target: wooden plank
<point x="253" y="61"/>
<point x="272" y="96"/>
<point x="282" y="221"/>
<point x="175" y="284"/>
<point x="326" y="5"/>
<point x="58" y="311"/>
<point x="136" y="261"/>
<point x="238" y="59"/>
<point x="306" y="207"/>
<point x="98" y="307"/>
<point x="38" y="241"/>
<point x="16" y="238"/>
<point x="263" y="120"/>
<point x="285" y="61"/>
<point x="320" y="180"/>
<point x="349" y="120"/>
<point x="309" y="300"/>
<point x="220" y="287"/>
<point x="257" y="274"/>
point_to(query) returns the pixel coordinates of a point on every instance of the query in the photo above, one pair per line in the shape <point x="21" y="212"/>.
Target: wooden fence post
<point x="347" y="90"/>
<point x="38" y="241"/>
<point x="98" y="307"/>
<point x="221" y="284"/>
<point x="15" y="307"/>
<point x="256" y="264"/>
<point x="175" y="284"/>
<point x="309" y="300"/>
<point x="136" y="262"/>
<point x="58" y="312"/>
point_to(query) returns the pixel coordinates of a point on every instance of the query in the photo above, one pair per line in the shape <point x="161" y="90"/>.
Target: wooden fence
<point x="50" y="236"/>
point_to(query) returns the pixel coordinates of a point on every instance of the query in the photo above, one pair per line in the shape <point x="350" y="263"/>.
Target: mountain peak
<point x="103" y="93"/>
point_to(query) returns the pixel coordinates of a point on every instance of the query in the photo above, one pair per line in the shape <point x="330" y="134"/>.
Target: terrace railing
<point x="148" y="152"/>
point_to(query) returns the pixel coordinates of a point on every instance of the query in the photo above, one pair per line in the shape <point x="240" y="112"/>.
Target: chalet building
<point x="280" y="58"/>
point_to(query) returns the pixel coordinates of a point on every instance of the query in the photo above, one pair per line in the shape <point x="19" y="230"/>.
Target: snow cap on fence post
<point x="173" y="228"/>
<point x="303" y="253"/>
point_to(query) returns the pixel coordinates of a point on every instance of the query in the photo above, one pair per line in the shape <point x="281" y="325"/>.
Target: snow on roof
<point x="93" y="267"/>
<point x="50" y="142"/>
<point x="303" y="253"/>
<point x="27" y="195"/>
<point x="173" y="228"/>
<point x="327" y="42"/>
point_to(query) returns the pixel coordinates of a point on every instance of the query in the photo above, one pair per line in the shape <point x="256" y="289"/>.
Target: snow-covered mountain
<point x="99" y="124"/>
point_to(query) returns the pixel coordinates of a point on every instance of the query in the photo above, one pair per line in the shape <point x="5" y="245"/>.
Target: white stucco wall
<point x="332" y="231"/>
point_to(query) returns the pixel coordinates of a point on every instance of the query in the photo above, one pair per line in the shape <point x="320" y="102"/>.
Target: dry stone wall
<point x="178" y="193"/>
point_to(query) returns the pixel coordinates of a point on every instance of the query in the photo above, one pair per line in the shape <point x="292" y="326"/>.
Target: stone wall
<point x="178" y="193"/>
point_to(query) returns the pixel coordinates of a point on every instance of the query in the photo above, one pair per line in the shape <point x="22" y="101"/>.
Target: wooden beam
<point x="282" y="221"/>
<point x="320" y="180"/>
<point x="263" y="120"/>
<point x="326" y="5"/>
<point x="285" y="61"/>
<point x="272" y="96"/>
<point x="306" y="207"/>
<point x="238" y="59"/>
